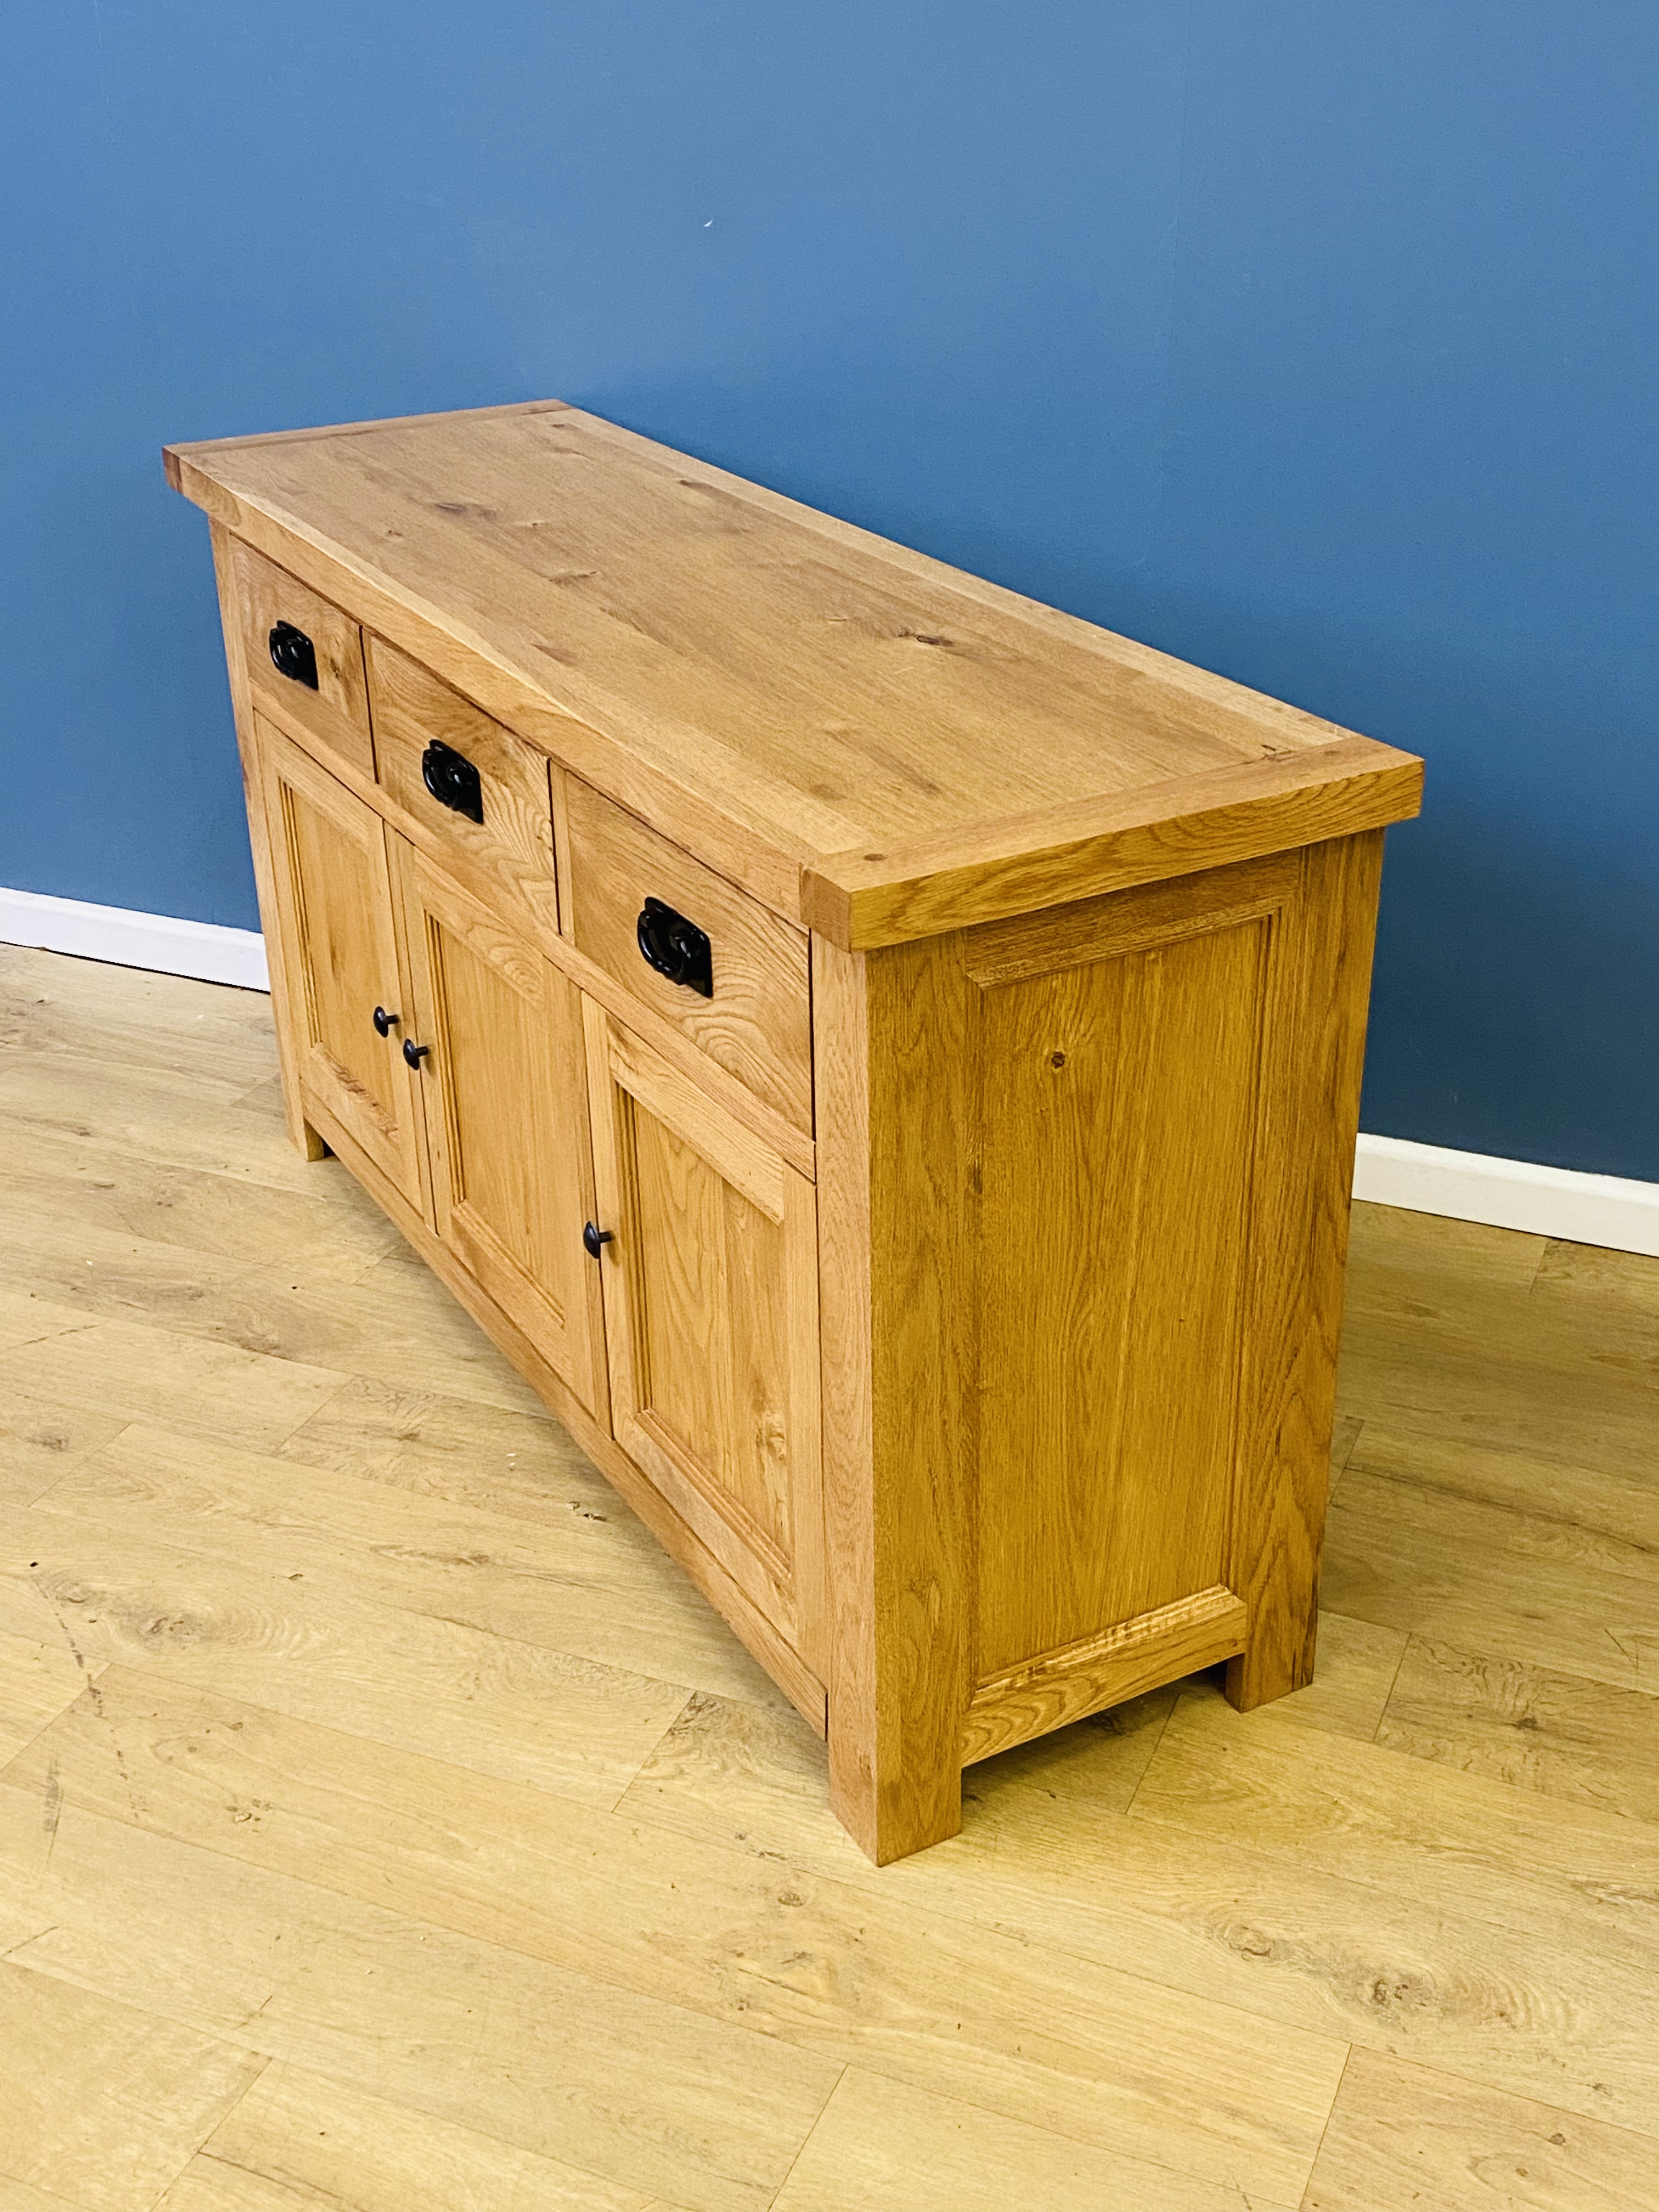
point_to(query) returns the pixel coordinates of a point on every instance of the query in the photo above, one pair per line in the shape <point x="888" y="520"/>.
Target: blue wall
<point x="1315" y="344"/>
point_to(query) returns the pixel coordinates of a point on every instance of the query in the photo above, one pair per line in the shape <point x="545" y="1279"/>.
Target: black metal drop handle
<point x="676" y="948"/>
<point x="453" y="780"/>
<point x="415" y="1053"/>
<point x="384" y="1022"/>
<point x="594" y="1239"/>
<point x="293" y="655"/>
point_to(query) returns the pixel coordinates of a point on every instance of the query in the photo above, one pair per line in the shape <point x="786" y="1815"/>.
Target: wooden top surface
<point x="872" y="741"/>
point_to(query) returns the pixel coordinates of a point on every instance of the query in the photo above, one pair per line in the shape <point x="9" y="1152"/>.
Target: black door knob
<point x="384" y="1022"/>
<point x="415" y="1053"/>
<point x="595" y="1239"/>
<point x="293" y="655"/>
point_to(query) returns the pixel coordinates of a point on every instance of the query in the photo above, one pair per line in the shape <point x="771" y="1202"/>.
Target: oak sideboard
<point x="880" y="1055"/>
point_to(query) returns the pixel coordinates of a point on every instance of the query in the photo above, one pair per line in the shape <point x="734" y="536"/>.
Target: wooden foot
<point x="310" y="1145"/>
<point x="1273" y="1662"/>
<point x="916" y="1805"/>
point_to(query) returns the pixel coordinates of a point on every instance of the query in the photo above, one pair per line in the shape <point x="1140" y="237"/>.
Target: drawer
<point x="302" y="652"/>
<point x="754" y="1017"/>
<point x="483" y="793"/>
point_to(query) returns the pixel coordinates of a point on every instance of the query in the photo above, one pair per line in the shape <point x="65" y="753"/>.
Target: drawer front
<point x="746" y="1002"/>
<point x="302" y="652"/>
<point x="482" y="792"/>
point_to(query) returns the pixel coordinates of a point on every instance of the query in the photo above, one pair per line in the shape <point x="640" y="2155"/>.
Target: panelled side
<point x="1083" y="1189"/>
<point x="1119" y="1053"/>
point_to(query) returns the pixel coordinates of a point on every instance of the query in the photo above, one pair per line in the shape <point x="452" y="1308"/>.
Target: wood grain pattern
<point x="508" y="857"/>
<point x="40" y="1440"/>
<point x="896" y="1272"/>
<point x="1120" y="1122"/>
<point x="651" y="2096"/>
<point x="1537" y="1727"/>
<point x="1116" y="2062"/>
<point x="668" y="1036"/>
<point x="100" y="2101"/>
<point x="37" y="1680"/>
<point x="1076" y="851"/>
<point x="1313" y="1054"/>
<point x="779" y="1656"/>
<point x="299" y="2139"/>
<point x="1556" y="2007"/>
<point x="1401" y="2138"/>
<point x="583" y="1579"/>
<point x="341" y="958"/>
<point x="336" y="713"/>
<point x="1137" y="1655"/>
<point x="291" y="1642"/>
<point x="757" y="1024"/>
<point x="767" y="686"/>
<point x="505" y="1121"/>
<point x="889" y="2146"/>
<point x="711" y="1326"/>
<point x="227" y="576"/>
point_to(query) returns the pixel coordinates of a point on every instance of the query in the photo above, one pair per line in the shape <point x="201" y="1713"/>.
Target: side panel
<point x="1120" y="1113"/>
<point x="506" y="1117"/>
<point x="1084" y="1181"/>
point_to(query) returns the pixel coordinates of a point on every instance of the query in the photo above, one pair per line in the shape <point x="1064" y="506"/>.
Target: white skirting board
<point x="1583" y="1209"/>
<point x="116" y="934"/>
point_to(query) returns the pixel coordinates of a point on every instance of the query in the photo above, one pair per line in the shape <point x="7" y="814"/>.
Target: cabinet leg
<point x="307" y="1140"/>
<point x="1280" y="1656"/>
<point x="916" y="1802"/>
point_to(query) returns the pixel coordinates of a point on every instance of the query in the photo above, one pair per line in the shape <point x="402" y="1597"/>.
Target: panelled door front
<point x="710" y="1273"/>
<point x="344" y="982"/>
<point x="506" y="1117"/>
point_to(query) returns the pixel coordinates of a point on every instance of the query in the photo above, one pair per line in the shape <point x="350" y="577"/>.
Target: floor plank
<point x="884" y="2146"/>
<point x="1427" y="1259"/>
<point x="37" y="1680"/>
<point x="41" y="1439"/>
<point x="133" y="1018"/>
<point x="398" y="1324"/>
<point x="1424" y="1831"/>
<point x="1576" y="1270"/>
<point x="1354" y="1675"/>
<point x="1560" y="1733"/>
<point x="100" y="2101"/>
<point x="145" y="1370"/>
<point x="845" y="1971"/>
<point x="1407" y="1556"/>
<point x="588" y="1580"/>
<point x="22" y="2197"/>
<point x="433" y="1685"/>
<point x="1404" y="2139"/>
<point x="1583" y="1511"/>
<point x="1287" y="1936"/>
<point x="330" y="1227"/>
<point x="668" y="2103"/>
<point x="169" y="1115"/>
<point x="298" y="2140"/>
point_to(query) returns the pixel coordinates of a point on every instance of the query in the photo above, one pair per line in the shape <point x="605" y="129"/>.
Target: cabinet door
<point x="340" y="958"/>
<point x="710" y="1276"/>
<point x="506" y="1117"/>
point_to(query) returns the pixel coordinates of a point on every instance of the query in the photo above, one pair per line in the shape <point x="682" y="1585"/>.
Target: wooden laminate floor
<point x="384" y="1825"/>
